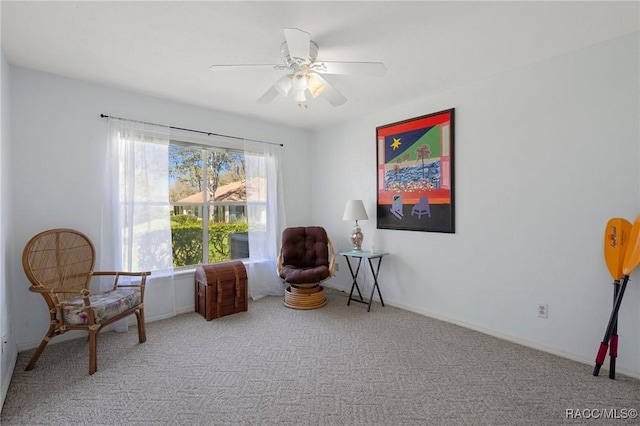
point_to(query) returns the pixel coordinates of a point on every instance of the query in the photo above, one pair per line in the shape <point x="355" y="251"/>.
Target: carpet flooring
<point x="338" y="365"/>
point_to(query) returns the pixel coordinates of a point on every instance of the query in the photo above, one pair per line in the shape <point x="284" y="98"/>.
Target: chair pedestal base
<point x="304" y="297"/>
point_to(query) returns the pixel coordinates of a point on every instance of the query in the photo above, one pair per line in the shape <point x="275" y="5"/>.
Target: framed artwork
<point x="415" y="174"/>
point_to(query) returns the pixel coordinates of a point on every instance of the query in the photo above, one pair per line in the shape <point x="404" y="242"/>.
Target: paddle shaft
<point x="613" y="344"/>
<point x="613" y="319"/>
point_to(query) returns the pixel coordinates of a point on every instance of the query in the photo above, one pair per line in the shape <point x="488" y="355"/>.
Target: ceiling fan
<point x="299" y="54"/>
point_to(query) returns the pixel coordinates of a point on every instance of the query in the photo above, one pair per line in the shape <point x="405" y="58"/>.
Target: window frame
<point x="206" y="206"/>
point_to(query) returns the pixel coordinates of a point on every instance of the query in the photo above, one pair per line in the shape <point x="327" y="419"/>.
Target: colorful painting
<point x="415" y="174"/>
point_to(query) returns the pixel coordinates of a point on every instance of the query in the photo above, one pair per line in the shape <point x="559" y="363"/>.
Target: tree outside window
<point x="207" y="191"/>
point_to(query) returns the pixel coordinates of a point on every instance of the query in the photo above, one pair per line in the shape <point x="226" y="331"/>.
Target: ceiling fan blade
<point x="268" y="96"/>
<point x="374" y="69"/>
<point x="247" y="67"/>
<point x="334" y="97"/>
<point x="298" y="43"/>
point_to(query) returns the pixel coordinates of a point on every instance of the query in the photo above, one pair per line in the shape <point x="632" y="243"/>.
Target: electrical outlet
<point x="543" y="310"/>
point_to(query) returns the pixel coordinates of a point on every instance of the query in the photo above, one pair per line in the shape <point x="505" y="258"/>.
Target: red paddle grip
<point x="613" y="346"/>
<point x="602" y="353"/>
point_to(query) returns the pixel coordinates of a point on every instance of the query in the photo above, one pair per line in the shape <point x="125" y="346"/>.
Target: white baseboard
<point x="185" y="309"/>
<point x="6" y="379"/>
<point x="500" y="335"/>
<point x="158" y="318"/>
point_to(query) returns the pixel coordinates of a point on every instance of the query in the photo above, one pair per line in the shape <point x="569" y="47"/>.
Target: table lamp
<point x="355" y="211"/>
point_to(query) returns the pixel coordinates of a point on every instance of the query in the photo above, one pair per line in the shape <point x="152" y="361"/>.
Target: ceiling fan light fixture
<point x="299" y="82"/>
<point x="299" y="95"/>
<point x="299" y="55"/>
<point x="315" y="86"/>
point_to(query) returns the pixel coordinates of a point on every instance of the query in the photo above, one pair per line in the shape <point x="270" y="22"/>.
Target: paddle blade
<point x="616" y="238"/>
<point x="632" y="253"/>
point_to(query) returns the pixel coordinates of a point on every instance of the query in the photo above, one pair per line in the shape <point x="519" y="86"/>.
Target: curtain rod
<point x="188" y="130"/>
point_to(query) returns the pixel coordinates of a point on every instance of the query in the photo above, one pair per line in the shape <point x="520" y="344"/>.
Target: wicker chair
<point x="59" y="264"/>
<point x="306" y="259"/>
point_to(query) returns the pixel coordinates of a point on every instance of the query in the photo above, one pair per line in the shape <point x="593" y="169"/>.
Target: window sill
<point x="179" y="272"/>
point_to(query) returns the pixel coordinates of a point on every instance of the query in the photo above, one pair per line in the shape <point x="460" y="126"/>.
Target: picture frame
<point x="415" y="174"/>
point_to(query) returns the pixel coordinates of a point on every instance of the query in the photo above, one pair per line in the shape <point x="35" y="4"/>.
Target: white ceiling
<point x="165" y="49"/>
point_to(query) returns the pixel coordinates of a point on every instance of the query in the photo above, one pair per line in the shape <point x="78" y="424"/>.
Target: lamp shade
<point x="315" y="86"/>
<point x="355" y="211"/>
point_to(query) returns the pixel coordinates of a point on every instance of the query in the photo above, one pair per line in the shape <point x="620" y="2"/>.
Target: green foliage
<point x="187" y="241"/>
<point x="187" y="244"/>
<point x="183" y="219"/>
<point x="219" y="239"/>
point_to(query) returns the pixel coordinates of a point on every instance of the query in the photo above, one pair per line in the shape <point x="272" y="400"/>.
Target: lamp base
<point x="356" y="238"/>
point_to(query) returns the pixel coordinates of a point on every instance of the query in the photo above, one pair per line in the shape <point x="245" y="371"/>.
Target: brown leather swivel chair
<point x="306" y="259"/>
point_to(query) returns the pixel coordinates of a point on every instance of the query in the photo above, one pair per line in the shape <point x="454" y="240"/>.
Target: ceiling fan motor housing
<point x="293" y="62"/>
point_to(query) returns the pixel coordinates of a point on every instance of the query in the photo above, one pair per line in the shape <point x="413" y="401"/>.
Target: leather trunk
<point x="221" y="289"/>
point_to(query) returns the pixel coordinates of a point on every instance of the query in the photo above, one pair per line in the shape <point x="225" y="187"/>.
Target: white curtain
<point x="136" y="229"/>
<point x="265" y="217"/>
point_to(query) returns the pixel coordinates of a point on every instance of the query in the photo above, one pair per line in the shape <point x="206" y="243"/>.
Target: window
<point x="207" y="192"/>
<point x="142" y="197"/>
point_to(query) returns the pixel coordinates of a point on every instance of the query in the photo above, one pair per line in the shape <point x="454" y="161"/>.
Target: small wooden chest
<point x="221" y="289"/>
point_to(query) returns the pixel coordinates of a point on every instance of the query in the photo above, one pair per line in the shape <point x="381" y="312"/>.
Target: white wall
<point x="9" y="350"/>
<point x="544" y="156"/>
<point x="58" y="167"/>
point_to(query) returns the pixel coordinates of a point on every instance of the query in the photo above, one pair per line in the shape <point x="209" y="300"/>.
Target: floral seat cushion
<point x="105" y="306"/>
